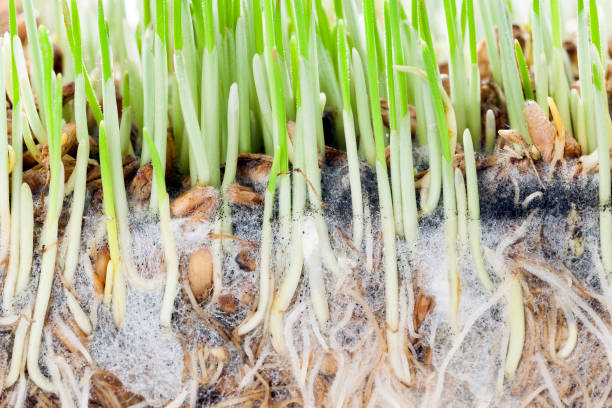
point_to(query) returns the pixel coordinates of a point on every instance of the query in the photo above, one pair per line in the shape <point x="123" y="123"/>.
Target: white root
<point x="530" y="198"/>
<point x="583" y="311"/>
<point x="292" y="353"/>
<point x="71" y="339"/>
<point x="85" y="385"/>
<point x="309" y="397"/>
<point x="59" y="385"/>
<point x="550" y="384"/>
<point x="529" y="399"/>
<point x="180" y="398"/>
<point x="316" y="331"/>
<point x="67" y="375"/>
<point x="193" y="393"/>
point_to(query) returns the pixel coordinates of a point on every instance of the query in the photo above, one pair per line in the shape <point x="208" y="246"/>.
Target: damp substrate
<point x="551" y="228"/>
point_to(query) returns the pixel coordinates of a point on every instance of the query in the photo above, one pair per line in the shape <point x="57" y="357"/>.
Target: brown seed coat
<point x="200" y="273"/>
<point x="241" y="195"/>
<point x="541" y="130"/>
<point x="199" y="202"/>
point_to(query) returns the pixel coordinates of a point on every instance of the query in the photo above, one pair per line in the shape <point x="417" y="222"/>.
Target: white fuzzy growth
<point x="144" y="356"/>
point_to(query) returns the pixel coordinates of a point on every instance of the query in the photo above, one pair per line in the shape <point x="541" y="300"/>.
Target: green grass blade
<point x="434" y="83"/>
<point x="524" y="71"/>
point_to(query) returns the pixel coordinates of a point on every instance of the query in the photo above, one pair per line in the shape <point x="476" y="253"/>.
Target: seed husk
<point x="200" y="273"/>
<point x="99" y="277"/>
<point x="241" y="195"/>
<point x="199" y="202"/>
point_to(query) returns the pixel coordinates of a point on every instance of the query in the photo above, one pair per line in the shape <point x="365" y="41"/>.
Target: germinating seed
<point x="305" y="203"/>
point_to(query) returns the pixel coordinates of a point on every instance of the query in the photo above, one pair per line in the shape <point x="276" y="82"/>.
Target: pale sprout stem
<point x="474" y="230"/>
<point x="435" y="166"/>
<point x="27" y="239"/>
<point x="171" y="262"/>
<point x="366" y="141"/>
<point x="79" y="178"/>
<point x="265" y="277"/>
<point x="450" y="232"/>
<point x="409" y="203"/>
<point x="461" y="206"/>
<point x="572" y="332"/>
<point x="10" y="278"/>
<point x="396" y="184"/>
<point x="514" y="312"/>
<point x="291" y="279"/>
<point x="47" y="269"/>
<point x="17" y="357"/>
<point x="314" y="271"/>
